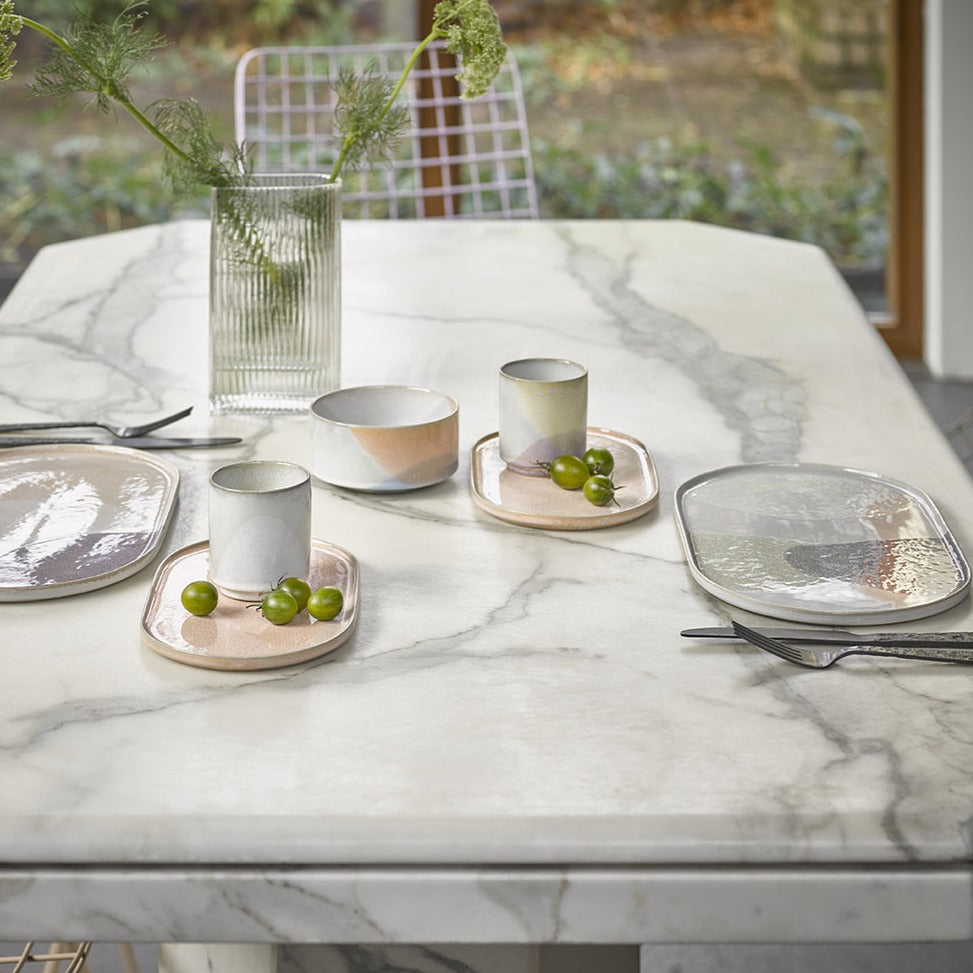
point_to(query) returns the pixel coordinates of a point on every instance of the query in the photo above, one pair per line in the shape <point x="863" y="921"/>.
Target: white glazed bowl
<point x="384" y="438"/>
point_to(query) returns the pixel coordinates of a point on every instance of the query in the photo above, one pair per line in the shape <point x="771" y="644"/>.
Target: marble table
<point x="515" y="746"/>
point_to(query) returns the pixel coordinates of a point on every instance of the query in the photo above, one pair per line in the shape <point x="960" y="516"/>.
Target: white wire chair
<point x="459" y="158"/>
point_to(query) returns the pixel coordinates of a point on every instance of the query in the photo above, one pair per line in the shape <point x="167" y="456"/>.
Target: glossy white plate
<point x="235" y="636"/>
<point x="74" y="518"/>
<point x="820" y="544"/>
<point x="534" y="501"/>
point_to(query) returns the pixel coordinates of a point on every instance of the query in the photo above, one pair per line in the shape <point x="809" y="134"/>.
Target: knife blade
<point x="841" y="637"/>
<point x="135" y="442"/>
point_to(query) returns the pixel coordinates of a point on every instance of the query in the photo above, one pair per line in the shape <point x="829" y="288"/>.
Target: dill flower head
<point x="472" y="32"/>
<point x="10" y="24"/>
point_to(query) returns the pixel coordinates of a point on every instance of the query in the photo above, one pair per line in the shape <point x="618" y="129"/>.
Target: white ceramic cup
<point x="259" y="526"/>
<point x="543" y="412"/>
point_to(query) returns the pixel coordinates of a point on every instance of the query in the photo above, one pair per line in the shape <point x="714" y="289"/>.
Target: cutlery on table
<point x="133" y="442"/>
<point x="840" y="637"/>
<point x="820" y="657"/>
<point x="120" y="432"/>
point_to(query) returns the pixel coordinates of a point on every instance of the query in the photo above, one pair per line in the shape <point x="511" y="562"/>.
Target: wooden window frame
<point x="904" y="269"/>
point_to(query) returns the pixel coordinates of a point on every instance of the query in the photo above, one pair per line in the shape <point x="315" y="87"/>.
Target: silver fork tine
<point x="773" y="646"/>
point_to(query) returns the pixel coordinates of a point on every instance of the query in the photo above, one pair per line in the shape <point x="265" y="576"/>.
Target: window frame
<point x="902" y="329"/>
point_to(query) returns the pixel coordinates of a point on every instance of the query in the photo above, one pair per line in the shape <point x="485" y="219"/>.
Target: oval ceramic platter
<point x="534" y="501"/>
<point x="820" y="544"/>
<point x="74" y="518"/>
<point x="235" y="636"/>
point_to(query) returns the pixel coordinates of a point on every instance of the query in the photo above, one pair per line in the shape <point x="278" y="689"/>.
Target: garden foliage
<point x="90" y="184"/>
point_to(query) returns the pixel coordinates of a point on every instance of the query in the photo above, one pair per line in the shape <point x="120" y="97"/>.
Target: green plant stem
<point x="349" y="140"/>
<point x="108" y="89"/>
<point x="240" y="224"/>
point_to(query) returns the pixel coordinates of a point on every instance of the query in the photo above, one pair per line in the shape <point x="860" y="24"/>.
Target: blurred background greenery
<point x="767" y="115"/>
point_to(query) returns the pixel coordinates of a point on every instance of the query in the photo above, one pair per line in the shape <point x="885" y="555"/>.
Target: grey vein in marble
<point x="761" y="402"/>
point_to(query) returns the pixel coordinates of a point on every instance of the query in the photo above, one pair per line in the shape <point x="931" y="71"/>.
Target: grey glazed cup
<point x="543" y="412"/>
<point x="259" y="526"/>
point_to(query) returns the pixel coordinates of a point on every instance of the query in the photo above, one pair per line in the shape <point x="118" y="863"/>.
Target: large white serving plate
<point x="74" y="518"/>
<point x="819" y="544"/>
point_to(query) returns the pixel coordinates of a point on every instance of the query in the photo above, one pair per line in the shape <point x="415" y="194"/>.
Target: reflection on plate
<point x="236" y="636"/>
<point x="74" y="518"/>
<point x="534" y="501"/>
<point x="815" y="543"/>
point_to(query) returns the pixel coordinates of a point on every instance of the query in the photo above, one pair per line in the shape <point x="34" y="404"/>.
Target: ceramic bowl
<point x="384" y="438"/>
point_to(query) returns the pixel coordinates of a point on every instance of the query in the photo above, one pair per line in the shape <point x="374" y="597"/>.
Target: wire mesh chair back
<point x="458" y="159"/>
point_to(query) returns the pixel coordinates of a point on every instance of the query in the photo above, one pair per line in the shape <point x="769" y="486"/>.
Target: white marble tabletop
<point x="515" y="745"/>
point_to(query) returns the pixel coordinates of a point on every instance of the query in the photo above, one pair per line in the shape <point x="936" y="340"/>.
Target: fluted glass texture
<point x="275" y="293"/>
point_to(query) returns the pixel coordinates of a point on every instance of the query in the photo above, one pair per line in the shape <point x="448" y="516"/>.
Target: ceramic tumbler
<point x="259" y="526"/>
<point x="543" y="412"/>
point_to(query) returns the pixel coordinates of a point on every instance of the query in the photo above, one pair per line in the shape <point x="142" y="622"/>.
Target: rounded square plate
<point x="236" y="636"/>
<point x="534" y="501"/>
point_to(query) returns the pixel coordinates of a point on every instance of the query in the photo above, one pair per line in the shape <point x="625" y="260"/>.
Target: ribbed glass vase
<point x="275" y="293"/>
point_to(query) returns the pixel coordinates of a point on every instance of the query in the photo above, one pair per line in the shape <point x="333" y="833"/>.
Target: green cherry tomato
<point x="278" y="607"/>
<point x="599" y="490"/>
<point x="299" y="590"/>
<point x="599" y="460"/>
<point x="199" y="598"/>
<point x="325" y="603"/>
<point x="568" y="472"/>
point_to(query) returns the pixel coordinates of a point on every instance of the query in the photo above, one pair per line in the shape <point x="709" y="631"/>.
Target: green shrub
<point x="263" y="19"/>
<point x="60" y="14"/>
<point x="84" y="186"/>
<point x="844" y="214"/>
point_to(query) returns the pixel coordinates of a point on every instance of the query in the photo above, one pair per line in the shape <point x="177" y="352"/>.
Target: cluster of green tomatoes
<point x="591" y="473"/>
<point x="279" y="606"/>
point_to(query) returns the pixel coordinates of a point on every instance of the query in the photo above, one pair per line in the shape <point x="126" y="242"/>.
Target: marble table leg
<point x="217" y="958"/>
<point x="480" y="958"/>
<point x="263" y="958"/>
